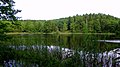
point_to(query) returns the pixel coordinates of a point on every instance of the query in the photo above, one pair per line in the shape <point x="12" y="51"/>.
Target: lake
<point x="48" y="50"/>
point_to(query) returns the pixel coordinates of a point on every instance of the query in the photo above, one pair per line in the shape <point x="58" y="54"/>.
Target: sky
<point x="55" y="9"/>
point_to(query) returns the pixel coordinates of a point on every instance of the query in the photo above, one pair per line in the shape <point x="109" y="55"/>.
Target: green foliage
<point x="49" y="27"/>
<point x="97" y="26"/>
<point x="7" y="12"/>
<point x="5" y="26"/>
<point x="117" y="28"/>
<point x="88" y="23"/>
<point x="64" y="27"/>
<point x="85" y="28"/>
<point x="38" y="26"/>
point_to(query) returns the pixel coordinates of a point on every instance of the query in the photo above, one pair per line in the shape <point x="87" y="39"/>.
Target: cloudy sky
<point x="54" y="9"/>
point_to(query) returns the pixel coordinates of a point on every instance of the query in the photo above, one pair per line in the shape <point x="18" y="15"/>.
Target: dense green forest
<point x="87" y="23"/>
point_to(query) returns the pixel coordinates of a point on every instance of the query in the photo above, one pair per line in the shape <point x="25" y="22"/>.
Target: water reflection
<point x="107" y="58"/>
<point x="59" y="51"/>
<point x="110" y="41"/>
<point x="14" y="63"/>
<point x="65" y="52"/>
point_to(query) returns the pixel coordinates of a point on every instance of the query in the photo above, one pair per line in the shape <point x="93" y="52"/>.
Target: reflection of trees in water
<point x="107" y="58"/>
<point x="4" y="39"/>
<point x="6" y="53"/>
<point x="26" y="50"/>
<point x="82" y="42"/>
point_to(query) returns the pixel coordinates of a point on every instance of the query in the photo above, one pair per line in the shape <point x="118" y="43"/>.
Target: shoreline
<point x="20" y="33"/>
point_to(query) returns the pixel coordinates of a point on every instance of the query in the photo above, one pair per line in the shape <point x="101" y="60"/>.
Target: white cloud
<point x="52" y="9"/>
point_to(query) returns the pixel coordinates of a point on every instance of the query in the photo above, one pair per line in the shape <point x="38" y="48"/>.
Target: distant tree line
<point x="87" y="23"/>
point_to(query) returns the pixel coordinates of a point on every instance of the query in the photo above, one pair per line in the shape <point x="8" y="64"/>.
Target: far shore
<point x="12" y="33"/>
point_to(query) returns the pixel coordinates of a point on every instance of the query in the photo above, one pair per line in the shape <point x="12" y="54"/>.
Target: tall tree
<point x="70" y="20"/>
<point x="64" y="26"/>
<point x="7" y="12"/>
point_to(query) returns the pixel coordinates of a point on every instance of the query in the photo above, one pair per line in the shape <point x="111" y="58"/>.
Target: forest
<point x="87" y="23"/>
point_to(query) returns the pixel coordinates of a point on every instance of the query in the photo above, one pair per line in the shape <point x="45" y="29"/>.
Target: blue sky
<point x="54" y="9"/>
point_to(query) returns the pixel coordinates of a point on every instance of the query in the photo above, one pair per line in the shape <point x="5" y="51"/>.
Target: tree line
<point x="87" y="23"/>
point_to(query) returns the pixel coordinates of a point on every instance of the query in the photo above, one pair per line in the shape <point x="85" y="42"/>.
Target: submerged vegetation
<point x="88" y="23"/>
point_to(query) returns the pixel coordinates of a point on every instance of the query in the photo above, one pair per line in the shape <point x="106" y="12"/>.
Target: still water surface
<point x="59" y="50"/>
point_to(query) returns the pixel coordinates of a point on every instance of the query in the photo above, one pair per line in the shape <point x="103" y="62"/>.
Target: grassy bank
<point x="12" y="33"/>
